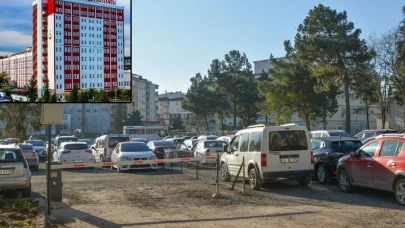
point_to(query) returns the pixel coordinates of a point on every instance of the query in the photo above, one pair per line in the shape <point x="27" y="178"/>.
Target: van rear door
<point x="288" y="149"/>
<point x="113" y="140"/>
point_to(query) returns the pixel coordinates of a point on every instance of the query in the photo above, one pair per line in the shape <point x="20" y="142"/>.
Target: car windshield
<point x="88" y="141"/>
<point x="36" y="143"/>
<point x="288" y="140"/>
<point x="113" y="141"/>
<point x="346" y="146"/>
<point x="164" y="143"/>
<point x="10" y="155"/>
<point x="134" y="147"/>
<point x="340" y="133"/>
<point x="3" y="142"/>
<point x="213" y="144"/>
<point x="67" y="139"/>
<point x="26" y="147"/>
<point x="76" y="146"/>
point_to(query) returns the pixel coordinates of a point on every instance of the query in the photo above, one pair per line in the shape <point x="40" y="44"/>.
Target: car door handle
<point x="393" y="164"/>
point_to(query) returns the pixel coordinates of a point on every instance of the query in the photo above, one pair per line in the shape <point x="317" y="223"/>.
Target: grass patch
<point x="17" y="212"/>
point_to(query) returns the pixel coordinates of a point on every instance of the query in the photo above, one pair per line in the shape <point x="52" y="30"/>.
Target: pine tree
<point x="32" y="90"/>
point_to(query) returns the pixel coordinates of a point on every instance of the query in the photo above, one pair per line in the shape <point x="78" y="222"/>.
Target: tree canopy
<point x="134" y="119"/>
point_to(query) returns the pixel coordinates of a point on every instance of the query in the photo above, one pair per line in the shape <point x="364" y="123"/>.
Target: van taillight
<point x="312" y="158"/>
<point x="23" y="158"/>
<point x="88" y="151"/>
<point x="264" y="160"/>
<point x="155" y="150"/>
<point x="207" y="151"/>
<point x="105" y="152"/>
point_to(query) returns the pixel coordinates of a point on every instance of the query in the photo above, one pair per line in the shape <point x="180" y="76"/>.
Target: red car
<point x="379" y="164"/>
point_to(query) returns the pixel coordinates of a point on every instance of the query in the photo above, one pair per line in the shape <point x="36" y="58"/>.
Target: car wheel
<point x="225" y="176"/>
<point x="26" y="192"/>
<point x="400" y="191"/>
<point x="322" y="175"/>
<point x="303" y="182"/>
<point x="345" y="183"/>
<point x="119" y="169"/>
<point x="254" y="180"/>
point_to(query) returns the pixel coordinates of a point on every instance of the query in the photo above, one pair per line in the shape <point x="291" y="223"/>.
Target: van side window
<point x="255" y="142"/>
<point x="244" y="143"/>
<point x="316" y="135"/>
<point x="235" y="143"/>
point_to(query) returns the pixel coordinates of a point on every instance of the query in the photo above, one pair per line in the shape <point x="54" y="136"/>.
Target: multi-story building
<point x="144" y="97"/>
<point x="170" y="108"/>
<point x="18" y="67"/>
<point x="338" y="120"/>
<point x="78" y="43"/>
<point x="96" y="118"/>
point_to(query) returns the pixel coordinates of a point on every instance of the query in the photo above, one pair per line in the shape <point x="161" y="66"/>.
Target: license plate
<point x="289" y="160"/>
<point x="168" y="150"/>
<point x="75" y="161"/>
<point x="6" y="171"/>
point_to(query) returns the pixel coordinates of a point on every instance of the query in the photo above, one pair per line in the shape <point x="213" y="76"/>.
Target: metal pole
<point x="244" y="175"/>
<point x="181" y="167"/>
<point x="198" y="163"/>
<point x="217" y="180"/>
<point x="48" y="171"/>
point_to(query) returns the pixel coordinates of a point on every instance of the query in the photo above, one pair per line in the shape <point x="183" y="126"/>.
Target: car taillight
<point x="23" y="158"/>
<point x="312" y="158"/>
<point x="66" y="152"/>
<point x="155" y="150"/>
<point x="207" y="151"/>
<point x="88" y="151"/>
<point x="105" y="152"/>
<point x="34" y="154"/>
<point x="264" y="160"/>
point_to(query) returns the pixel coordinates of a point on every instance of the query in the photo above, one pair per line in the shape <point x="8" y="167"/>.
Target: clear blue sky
<point x="174" y="39"/>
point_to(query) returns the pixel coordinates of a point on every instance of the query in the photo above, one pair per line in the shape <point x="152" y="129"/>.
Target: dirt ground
<point x="105" y="198"/>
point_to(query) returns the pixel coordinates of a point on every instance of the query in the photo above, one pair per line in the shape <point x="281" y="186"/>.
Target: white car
<point x="30" y="155"/>
<point x="271" y="154"/>
<point x="39" y="147"/>
<point x="225" y="138"/>
<point x="73" y="153"/>
<point x="132" y="151"/>
<point x="205" y="148"/>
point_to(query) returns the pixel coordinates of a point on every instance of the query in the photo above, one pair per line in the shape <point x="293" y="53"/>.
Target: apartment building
<point x="144" y="99"/>
<point x="337" y="121"/>
<point x="88" y="117"/>
<point x="170" y="108"/>
<point x="18" y="67"/>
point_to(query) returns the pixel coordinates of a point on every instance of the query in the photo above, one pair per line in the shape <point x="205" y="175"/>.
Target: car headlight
<point x="125" y="159"/>
<point x="153" y="158"/>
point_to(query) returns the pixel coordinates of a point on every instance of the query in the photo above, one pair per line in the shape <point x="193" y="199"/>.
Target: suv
<point x="329" y="133"/>
<point x="364" y="135"/>
<point x="379" y="164"/>
<point x="271" y="153"/>
<point x="327" y="152"/>
<point x="14" y="170"/>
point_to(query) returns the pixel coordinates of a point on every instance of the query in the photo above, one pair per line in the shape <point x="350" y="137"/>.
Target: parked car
<point x="168" y="137"/>
<point x="65" y="138"/>
<point x="271" y="153"/>
<point x="329" y="133"/>
<point x="105" y="145"/>
<point x="365" y="134"/>
<point x="186" y="137"/>
<point x="14" y="172"/>
<point x="39" y="147"/>
<point x="140" y="140"/>
<point x="162" y="148"/>
<point x="208" y="148"/>
<point x="30" y="155"/>
<point x="132" y="151"/>
<point x="389" y="134"/>
<point x="209" y="137"/>
<point x="379" y="164"/>
<point x="327" y="152"/>
<point x="87" y="141"/>
<point x="12" y="140"/>
<point x="3" y="142"/>
<point x="225" y="138"/>
<point x="188" y="144"/>
<point x="73" y="153"/>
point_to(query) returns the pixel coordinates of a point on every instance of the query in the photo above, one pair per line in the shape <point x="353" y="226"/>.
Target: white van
<point x="271" y="154"/>
<point x="104" y="145"/>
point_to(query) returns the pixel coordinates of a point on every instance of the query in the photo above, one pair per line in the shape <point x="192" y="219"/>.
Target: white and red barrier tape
<point x="135" y="162"/>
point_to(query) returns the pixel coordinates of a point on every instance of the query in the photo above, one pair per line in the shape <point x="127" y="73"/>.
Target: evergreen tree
<point x="134" y="119"/>
<point x="32" y="90"/>
<point x="119" y="117"/>
<point x="73" y="95"/>
<point x="53" y="98"/>
<point x="103" y="97"/>
<point x="178" y="123"/>
<point x="46" y="96"/>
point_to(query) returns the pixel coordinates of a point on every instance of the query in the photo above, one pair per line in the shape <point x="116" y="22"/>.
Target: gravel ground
<point x="105" y="198"/>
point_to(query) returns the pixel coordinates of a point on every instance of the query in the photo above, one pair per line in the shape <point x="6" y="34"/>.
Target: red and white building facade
<point x="78" y="42"/>
<point x="18" y="67"/>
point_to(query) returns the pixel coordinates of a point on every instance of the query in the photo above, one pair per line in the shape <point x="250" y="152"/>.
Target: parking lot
<point x="166" y="198"/>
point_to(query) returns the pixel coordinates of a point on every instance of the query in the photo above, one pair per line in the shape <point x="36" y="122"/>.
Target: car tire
<point x="400" y="191"/>
<point x="322" y="175"/>
<point x="225" y="176"/>
<point x="345" y="182"/>
<point x="26" y="192"/>
<point x="254" y="180"/>
<point x="303" y="182"/>
<point x="119" y="169"/>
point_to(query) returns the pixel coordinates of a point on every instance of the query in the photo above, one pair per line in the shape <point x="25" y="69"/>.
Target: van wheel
<point x="225" y="176"/>
<point x="303" y="182"/>
<point x="26" y="192"/>
<point x="345" y="183"/>
<point x="254" y="180"/>
<point x="400" y="191"/>
<point x="322" y="175"/>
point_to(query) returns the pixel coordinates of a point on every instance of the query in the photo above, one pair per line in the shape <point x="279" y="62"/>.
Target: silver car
<point x="132" y="151"/>
<point x="39" y="147"/>
<point x="14" y="170"/>
<point x="30" y="155"/>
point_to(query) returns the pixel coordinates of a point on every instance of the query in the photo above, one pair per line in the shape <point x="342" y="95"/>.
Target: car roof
<point x="64" y="143"/>
<point x="8" y="147"/>
<point x="336" y="138"/>
<point x="22" y="144"/>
